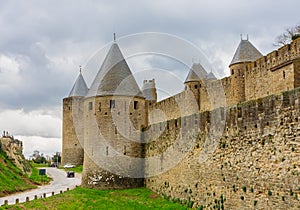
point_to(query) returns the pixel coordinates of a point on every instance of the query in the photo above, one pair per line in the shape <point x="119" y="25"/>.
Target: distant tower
<point x="194" y="80"/>
<point x="149" y="91"/>
<point x="72" y="137"/>
<point x="114" y="113"/>
<point x="244" y="54"/>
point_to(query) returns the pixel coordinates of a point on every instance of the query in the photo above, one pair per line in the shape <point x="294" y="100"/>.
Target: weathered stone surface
<point x="256" y="164"/>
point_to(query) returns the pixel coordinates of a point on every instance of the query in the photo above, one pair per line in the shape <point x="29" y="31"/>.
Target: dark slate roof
<point x="196" y="73"/>
<point x="79" y="88"/>
<point x="114" y="77"/>
<point x="245" y="52"/>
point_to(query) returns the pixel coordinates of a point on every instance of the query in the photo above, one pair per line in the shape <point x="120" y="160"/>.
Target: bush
<point x="269" y="192"/>
<point x="295" y="36"/>
<point x="244" y="188"/>
<point x="255" y="203"/>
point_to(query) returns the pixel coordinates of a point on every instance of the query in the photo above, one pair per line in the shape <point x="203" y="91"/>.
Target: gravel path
<point x="60" y="182"/>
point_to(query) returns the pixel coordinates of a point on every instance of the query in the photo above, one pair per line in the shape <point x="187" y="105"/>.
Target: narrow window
<point x="124" y="150"/>
<point x="116" y="130"/>
<point x="106" y="151"/>
<point x="90" y="105"/>
<point x="283" y="74"/>
<point x="135" y="105"/>
<point x="112" y="104"/>
<point x="232" y="71"/>
<point x="196" y="86"/>
<point x="99" y="107"/>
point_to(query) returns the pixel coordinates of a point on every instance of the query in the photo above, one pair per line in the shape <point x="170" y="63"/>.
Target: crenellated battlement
<point x="277" y="58"/>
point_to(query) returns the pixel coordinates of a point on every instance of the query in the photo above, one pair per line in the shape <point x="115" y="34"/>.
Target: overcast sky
<point x="42" y="43"/>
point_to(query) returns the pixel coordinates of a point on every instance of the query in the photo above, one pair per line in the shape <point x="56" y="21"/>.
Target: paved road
<point x="60" y="182"/>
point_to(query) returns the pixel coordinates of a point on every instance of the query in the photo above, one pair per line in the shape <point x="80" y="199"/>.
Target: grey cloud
<point x="43" y="42"/>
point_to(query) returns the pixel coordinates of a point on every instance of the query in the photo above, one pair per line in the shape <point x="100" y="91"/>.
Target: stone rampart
<point x="255" y="163"/>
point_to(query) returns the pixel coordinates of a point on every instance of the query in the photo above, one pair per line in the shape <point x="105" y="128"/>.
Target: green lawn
<point x="81" y="198"/>
<point x="77" y="169"/>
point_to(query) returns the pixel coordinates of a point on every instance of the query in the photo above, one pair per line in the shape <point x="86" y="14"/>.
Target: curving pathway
<point x="60" y="182"/>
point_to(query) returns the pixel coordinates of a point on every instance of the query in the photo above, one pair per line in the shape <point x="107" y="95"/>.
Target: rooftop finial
<point x="80" y="69"/>
<point x="114" y="37"/>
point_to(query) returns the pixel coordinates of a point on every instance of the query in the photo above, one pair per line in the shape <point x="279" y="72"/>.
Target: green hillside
<point x="12" y="178"/>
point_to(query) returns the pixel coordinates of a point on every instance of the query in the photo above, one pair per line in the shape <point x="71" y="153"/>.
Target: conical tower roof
<point x="197" y="72"/>
<point x="79" y="88"/>
<point x="211" y="76"/>
<point x="245" y="52"/>
<point x="114" y="77"/>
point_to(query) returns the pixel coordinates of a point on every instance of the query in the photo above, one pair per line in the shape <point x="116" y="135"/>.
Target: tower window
<point x="90" y="105"/>
<point x="232" y="71"/>
<point x="135" y="105"/>
<point x="124" y="150"/>
<point x="283" y="74"/>
<point x="112" y="104"/>
<point x="99" y="107"/>
<point x="196" y="86"/>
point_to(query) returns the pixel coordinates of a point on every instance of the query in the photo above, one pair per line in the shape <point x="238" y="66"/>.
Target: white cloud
<point x="9" y="71"/>
<point x="47" y="146"/>
<point x="34" y="123"/>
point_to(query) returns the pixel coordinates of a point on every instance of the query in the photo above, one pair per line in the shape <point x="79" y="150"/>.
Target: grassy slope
<point x="12" y="178"/>
<point x="80" y="198"/>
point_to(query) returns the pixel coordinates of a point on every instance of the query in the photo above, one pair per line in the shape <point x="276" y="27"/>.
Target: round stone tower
<point x="72" y="137"/>
<point x="114" y="113"/>
<point x="193" y="81"/>
<point x="245" y="54"/>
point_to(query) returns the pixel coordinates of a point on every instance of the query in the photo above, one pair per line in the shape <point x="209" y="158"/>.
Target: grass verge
<point x="81" y="198"/>
<point x="36" y="178"/>
<point x="77" y="169"/>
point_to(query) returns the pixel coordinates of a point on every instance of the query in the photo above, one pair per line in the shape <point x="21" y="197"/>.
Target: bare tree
<point x="288" y="35"/>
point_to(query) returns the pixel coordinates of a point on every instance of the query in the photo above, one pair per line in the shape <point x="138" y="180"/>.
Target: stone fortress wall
<point x="256" y="162"/>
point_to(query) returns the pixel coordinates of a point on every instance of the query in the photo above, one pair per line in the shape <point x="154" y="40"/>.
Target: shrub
<point x="244" y="188"/>
<point x="269" y="192"/>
